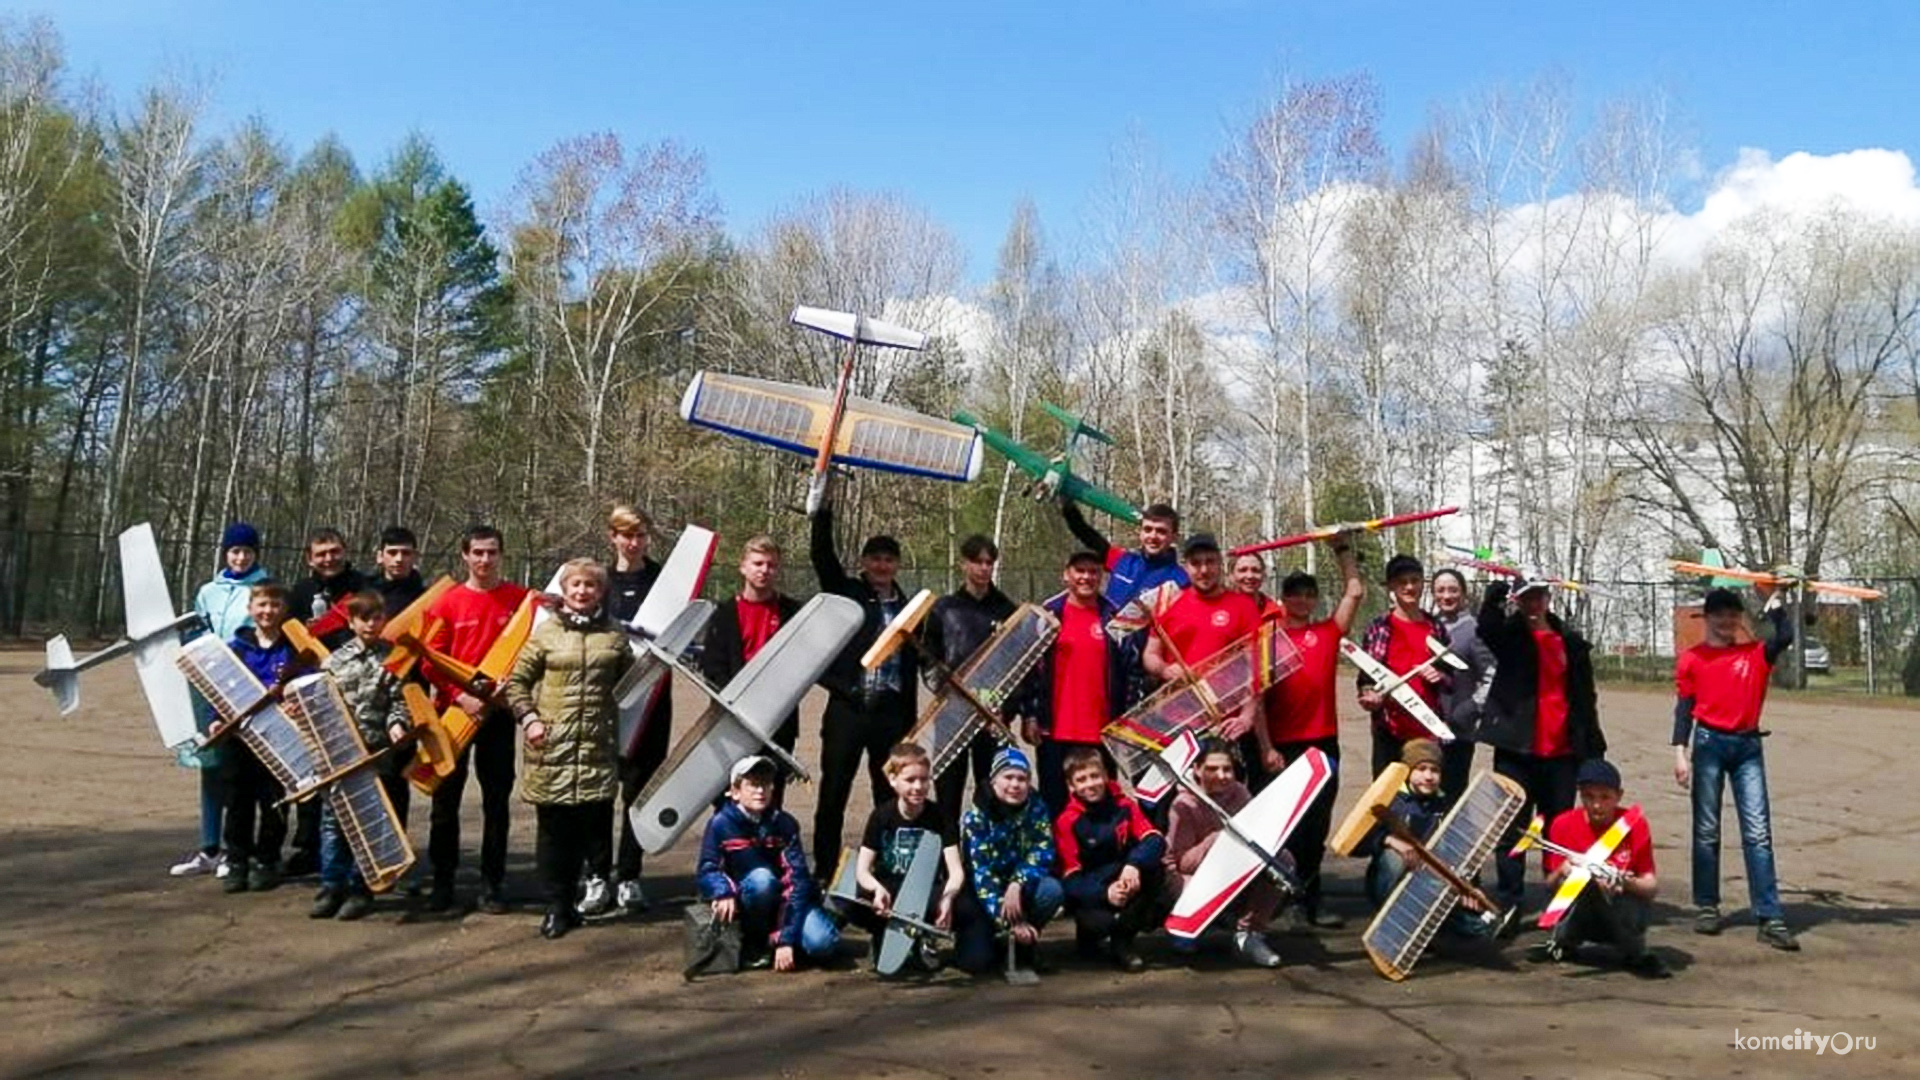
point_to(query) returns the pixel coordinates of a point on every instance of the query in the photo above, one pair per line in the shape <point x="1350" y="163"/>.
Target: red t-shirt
<point x="1406" y="650"/>
<point x="1080" y="707"/>
<point x="1572" y="830"/>
<point x="759" y="621"/>
<point x="1550" y="717"/>
<point x="1201" y="625"/>
<point x="471" y="623"/>
<point x="1302" y="707"/>
<point x="1728" y="684"/>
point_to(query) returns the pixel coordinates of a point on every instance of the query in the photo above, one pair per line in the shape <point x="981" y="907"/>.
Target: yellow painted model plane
<point x="440" y="745"/>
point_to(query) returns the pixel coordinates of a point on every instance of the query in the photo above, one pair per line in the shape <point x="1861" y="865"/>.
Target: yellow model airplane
<point x="441" y="744"/>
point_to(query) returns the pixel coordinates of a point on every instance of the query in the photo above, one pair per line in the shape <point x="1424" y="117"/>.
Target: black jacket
<point x="959" y="624"/>
<point x="844" y="678"/>
<point x="627" y="588"/>
<point x="1507" y="718"/>
<point x="398" y="592"/>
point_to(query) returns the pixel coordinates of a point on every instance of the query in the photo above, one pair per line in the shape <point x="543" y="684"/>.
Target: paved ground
<point x="109" y="968"/>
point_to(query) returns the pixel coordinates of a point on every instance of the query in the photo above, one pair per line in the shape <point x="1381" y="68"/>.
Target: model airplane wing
<point x="642" y="682"/>
<point x="1422" y="900"/>
<point x="1139" y="613"/>
<point x="1398" y="688"/>
<point x="898" y="629"/>
<point x="1230" y="865"/>
<point x="1359" y="821"/>
<point x="991" y="675"/>
<point x="233" y="692"/>
<point x="410" y="623"/>
<point x="681" y="578"/>
<point x="1783" y="578"/>
<point x="373" y="831"/>
<point x="916" y="889"/>
<point x="429" y="768"/>
<point x="150" y="625"/>
<point x="1582" y="869"/>
<point x="794" y="418"/>
<point x="743" y="718"/>
<point x="1217" y="686"/>
<point x="1328" y="532"/>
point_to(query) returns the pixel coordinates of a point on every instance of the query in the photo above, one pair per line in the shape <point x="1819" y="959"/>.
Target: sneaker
<point x="1707" y="921"/>
<point x="222" y="871"/>
<point x="358" y="906"/>
<point x="440" y="900"/>
<point x="1648" y="965"/>
<point x="263" y="878"/>
<point x="1546" y="952"/>
<point x="594" y="897"/>
<point x="631" y="897"/>
<point x="493" y="900"/>
<point x="927" y="954"/>
<point x="1325" y="920"/>
<point x="1253" y="948"/>
<point x="1774" y="932"/>
<point x="327" y="904"/>
<point x="235" y="877"/>
<point x="1126" y="959"/>
<point x="200" y="862"/>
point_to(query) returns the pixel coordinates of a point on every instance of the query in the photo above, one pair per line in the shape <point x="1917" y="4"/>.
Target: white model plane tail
<point x="848" y="326"/>
<point x="61" y="676"/>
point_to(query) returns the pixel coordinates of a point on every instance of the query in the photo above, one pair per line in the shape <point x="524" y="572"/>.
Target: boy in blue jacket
<point x="1008" y="837"/>
<point x="753" y="868"/>
<point x="1109" y="862"/>
<point x="253" y="858"/>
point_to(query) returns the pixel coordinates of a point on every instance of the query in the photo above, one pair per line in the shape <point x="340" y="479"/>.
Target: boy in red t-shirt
<point x="1722" y="686"/>
<point x="1610" y="910"/>
<point x="1399" y="639"/>
<point x="740" y="627"/>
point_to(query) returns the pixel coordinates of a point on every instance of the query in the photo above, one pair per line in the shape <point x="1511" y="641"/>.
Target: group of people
<point x="1049" y="829"/>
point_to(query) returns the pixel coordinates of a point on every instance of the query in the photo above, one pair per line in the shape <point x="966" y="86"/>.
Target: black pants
<point x="635" y="773"/>
<point x="1456" y="769"/>
<point x="847" y="731"/>
<point x="252" y="793"/>
<point x="1143" y="911"/>
<point x="570" y="836"/>
<point x="306" y="831"/>
<point x="491" y="755"/>
<point x="951" y="788"/>
<point x="1386" y="749"/>
<point x="1620" y="921"/>
<point x="1308" y="844"/>
<point x="1550" y="790"/>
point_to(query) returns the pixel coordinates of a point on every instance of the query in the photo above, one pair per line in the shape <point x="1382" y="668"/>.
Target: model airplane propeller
<point x="1053" y="477"/>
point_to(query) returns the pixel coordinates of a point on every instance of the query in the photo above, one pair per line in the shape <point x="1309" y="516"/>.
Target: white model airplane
<point x="1395" y="686"/>
<point x="833" y="426"/>
<point x="153" y="637"/>
<point x="1587" y="864"/>
<point x="1259" y="830"/>
<point x="742" y="718"/>
<point x="670" y="620"/>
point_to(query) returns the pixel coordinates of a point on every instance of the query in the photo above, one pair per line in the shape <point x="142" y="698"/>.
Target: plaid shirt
<point x="1379" y="636"/>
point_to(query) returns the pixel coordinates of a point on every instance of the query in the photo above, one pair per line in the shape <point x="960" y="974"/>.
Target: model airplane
<point x="153" y="637"/>
<point x="1587" y="864"/>
<point x="975" y="694"/>
<point x="1360" y="820"/>
<point x="1395" y="686"/>
<point x="306" y="737"/>
<point x="833" y="427"/>
<point x="1258" y="831"/>
<point x="1053" y="477"/>
<point x="1484" y="559"/>
<point x="907" y="923"/>
<point x="437" y="756"/>
<point x="1328" y="532"/>
<point x="1446" y="867"/>
<point x="1788" y="578"/>
<point x="742" y="718"/>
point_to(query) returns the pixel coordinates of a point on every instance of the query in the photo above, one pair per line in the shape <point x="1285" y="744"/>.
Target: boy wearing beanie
<point x="1008" y="837"/>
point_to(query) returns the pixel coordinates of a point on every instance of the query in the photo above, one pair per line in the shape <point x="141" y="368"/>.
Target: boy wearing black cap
<point x="1080" y="683"/>
<point x="1722" y="684"/>
<point x="753" y="868"/>
<point x="1205" y="618"/>
<point x="1399" y="640"/>
<point x="1612" y="909"/>
<point x="867" y="711"/>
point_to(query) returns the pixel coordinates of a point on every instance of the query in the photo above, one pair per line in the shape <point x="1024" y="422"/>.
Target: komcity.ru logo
<point x="1839" y="1042"/>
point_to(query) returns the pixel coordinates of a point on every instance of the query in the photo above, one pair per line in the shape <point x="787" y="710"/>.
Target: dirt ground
<point x="110" y="968"/>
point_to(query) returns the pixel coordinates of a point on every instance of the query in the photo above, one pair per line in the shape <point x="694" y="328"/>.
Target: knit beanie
<point x="1420" y="752"/>
<point x="240" y="534"/>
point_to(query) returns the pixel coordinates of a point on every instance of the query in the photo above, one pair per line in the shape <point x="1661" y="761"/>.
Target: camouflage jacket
<point x="370" y="690"/>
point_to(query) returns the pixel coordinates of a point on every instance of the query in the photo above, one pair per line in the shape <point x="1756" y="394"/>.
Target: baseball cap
<point x="749" y="764"/>
<point x="1597" y="771"/>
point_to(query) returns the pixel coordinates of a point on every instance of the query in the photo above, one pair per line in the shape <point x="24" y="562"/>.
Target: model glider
<point x="1360" y="820"/>
<point x="1587" y="864"/>
<point x="1483" y="559"/>
<point x="1395" y="686"/>
<point x="439" y="752"/>
<point x="1446" y="867"/>
<point x="1787" y="578"/>
<point x="306" y="737"/>
<point x="153" y="638"/>
<point x="1257" y="832"/>
<point x="975" y="694"/>
<point x="1053" y="477"/>
<point x="1328" y="532"/>
<point x="907" y="922"/>
<point x="741" y="718"/>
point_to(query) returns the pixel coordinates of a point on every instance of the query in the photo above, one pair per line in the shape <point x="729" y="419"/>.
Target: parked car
<point x="1815" y="658"/>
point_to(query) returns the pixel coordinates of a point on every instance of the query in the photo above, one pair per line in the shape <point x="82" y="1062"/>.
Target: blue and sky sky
<point x="965" y="107"/>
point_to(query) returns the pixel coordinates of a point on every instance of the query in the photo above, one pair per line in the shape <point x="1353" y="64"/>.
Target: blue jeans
<point x="1385" y="871"/>
<point x="1717" y="759"/>
<point x="760" y="898"/>
<point x="337" y="868"/>
<point x="213" y="800"/>
<point x="973" y="950"/>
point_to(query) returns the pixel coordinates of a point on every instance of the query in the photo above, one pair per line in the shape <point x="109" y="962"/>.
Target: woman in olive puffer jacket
<point x="562" y="694"/>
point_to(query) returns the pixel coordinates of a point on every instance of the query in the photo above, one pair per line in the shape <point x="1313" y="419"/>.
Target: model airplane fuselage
<point x="1053" y="477"/>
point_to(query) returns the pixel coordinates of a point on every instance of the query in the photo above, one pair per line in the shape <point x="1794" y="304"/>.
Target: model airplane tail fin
<point x="1076" y="427"/>
<point x="1535" y="829"/>
<point x="847" y="326"/>
<point x="60" y="676"/>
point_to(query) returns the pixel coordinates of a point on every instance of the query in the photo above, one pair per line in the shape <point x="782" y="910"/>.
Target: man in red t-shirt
<point x="1610" y="910"/>
<point x="1205" y="618"/>
<point x="740" y="627"/>
<point x="1399" y="639"/>
<point x="1722" y="685"/>
<point x="1302" y="712"/>
<point x="1079" y="685"/>
<point x="470" y="618"/>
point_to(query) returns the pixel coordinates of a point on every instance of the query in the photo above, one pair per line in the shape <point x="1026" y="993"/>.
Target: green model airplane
<point x="1053" y="476"/>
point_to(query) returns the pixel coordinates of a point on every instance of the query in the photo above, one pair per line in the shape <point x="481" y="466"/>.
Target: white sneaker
<point x="1254" y="949"/>
<point x="593" y="899"/>
<point x="632" y="897"/>
<point x="224" y="869"/>
<point x="194" y="865"/>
